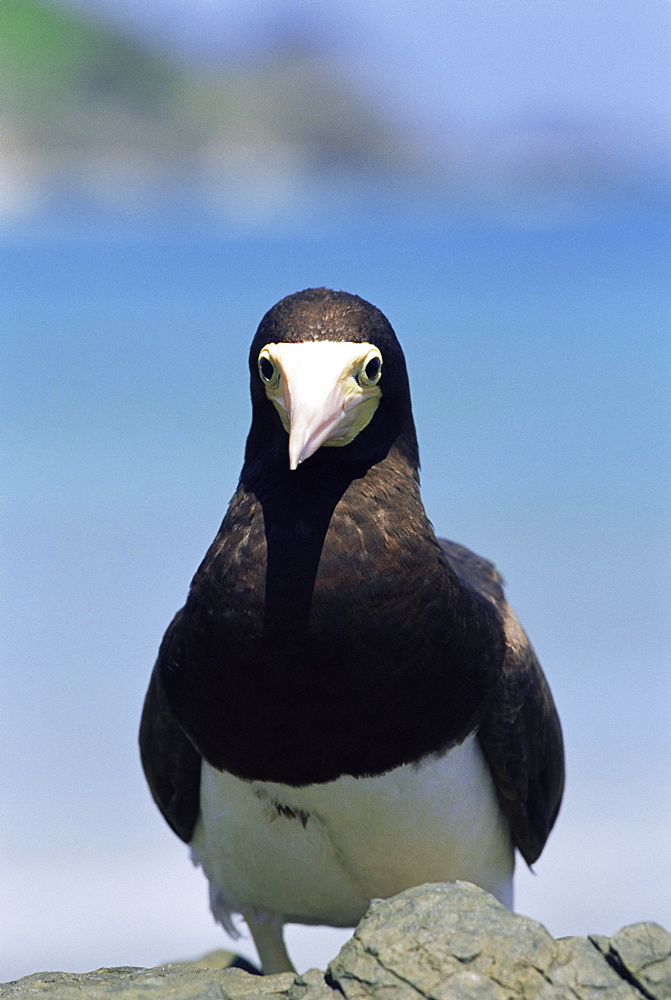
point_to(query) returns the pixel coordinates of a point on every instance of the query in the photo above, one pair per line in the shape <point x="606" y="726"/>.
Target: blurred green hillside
<point x="82" y="104"/>
<point x="65" y="81"/>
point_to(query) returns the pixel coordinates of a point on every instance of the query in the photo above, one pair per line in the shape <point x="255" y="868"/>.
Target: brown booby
<point x="346" y="706"/>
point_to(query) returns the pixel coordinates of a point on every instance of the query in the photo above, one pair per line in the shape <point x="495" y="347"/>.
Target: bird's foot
<point x="266" y="929"/>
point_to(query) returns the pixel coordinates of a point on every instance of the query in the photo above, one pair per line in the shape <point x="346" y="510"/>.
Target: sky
<point x="538" y="350"/>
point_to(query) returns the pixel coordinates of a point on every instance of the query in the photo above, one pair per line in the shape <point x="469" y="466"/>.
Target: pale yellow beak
<point x="325" y="392"/>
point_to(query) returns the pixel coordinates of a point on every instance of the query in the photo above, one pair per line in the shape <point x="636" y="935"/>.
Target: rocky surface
<point x="449" y="941"/>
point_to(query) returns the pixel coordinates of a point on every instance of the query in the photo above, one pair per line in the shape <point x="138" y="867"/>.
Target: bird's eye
<point x="372" y="369"/>
<point x="369" y="372"/>
<point x="266" y="368"/>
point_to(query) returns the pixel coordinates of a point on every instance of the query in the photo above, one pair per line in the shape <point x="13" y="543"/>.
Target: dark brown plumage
<point x="328" y="632"/>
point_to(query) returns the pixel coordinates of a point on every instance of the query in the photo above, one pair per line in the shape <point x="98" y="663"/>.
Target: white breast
<point x="319" y="854"/>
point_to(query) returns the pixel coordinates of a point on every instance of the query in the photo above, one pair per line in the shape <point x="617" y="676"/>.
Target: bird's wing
<point x="171" y="762"/>
<point x="520" y="732"/>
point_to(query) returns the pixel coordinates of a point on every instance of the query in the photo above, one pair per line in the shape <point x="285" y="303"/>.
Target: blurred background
<point x="495" y="176"/>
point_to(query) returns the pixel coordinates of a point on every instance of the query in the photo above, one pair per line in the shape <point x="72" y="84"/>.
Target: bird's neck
<point x="325" y="528"/>
<point x="325" y="621"/>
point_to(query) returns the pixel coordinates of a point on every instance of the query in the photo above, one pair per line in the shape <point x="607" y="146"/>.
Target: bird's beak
<point x="321" y="392"/>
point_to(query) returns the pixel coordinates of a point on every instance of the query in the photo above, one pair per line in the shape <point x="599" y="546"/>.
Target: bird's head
<point x="325" y="368"/>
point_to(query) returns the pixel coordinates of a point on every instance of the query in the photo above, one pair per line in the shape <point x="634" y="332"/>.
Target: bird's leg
<point x="266" y="930"/>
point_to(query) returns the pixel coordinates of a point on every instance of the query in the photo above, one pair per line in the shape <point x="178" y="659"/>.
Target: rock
<point x="449" y="941"/>
<point x="436" y="938"/>
<point x="641" y="953"/>
<point x="221" y="959"/>
<point x="167" y="982"/>
<point x="453" y="941"/>
<point x="578" y="970"/>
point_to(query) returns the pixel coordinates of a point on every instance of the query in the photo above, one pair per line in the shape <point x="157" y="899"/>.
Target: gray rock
<point x="450" y="941"/>
<point x="222" y="959"/>
<point x="578" y="969"/>
<point x="167" y="982"/>
<point x="313" y="986"/>
<point x="442" y="941"/>
<point x="455" y="942"/>
<point x="642" y="954"/>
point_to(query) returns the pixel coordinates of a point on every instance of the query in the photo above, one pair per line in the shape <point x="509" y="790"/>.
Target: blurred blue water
<point x="538" y="357"/>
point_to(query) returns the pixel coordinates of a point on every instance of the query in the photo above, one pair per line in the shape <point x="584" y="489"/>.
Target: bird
<point x="346" y="706"/>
